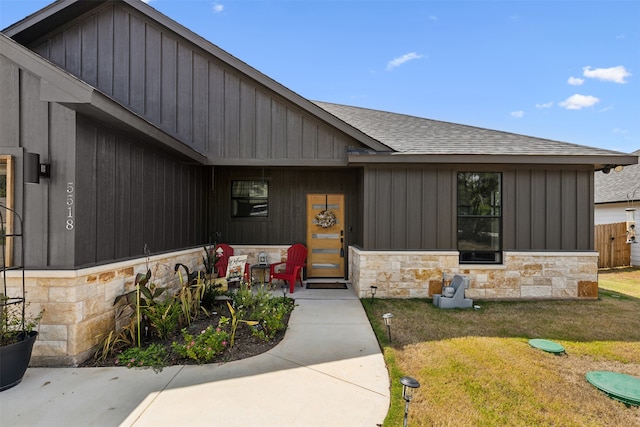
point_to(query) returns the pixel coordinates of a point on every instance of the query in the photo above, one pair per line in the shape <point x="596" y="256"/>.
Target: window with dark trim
<point x="480" y="217"/>
<point x="249" y="199"/>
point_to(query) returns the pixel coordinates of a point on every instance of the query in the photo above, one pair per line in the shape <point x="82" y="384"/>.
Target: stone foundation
<point x="524" y="275"/>
<point x="78" y="304"/>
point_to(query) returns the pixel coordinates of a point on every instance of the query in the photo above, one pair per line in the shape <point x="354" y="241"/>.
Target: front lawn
<point x="476" y="367"/>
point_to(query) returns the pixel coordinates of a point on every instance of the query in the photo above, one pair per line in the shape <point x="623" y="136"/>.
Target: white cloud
<point x="402" y="59"/>
<point x="517" y="114"/>
<point x="575" y="81"/>
<point x="578" y="102"/>
<point x="620" y="131"/>
<point x="432" y="18"/>
<point x="217" y="7"/>
<point x="545" y="105"/>
<point x="612" y="74"/>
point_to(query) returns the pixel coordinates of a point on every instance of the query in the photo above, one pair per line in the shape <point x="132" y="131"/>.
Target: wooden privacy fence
<point x="611" y="243"/>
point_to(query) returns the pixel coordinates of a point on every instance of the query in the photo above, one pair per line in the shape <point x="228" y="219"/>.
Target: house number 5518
<point x="70" y="205"/>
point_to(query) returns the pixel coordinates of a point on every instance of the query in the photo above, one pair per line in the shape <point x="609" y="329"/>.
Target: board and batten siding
<point x="414" y="207"/>
<point x="188" y="92"/>
<point x="29" y="124"/>
<point x="288" y="187"/>
<point x="129" y="194"/>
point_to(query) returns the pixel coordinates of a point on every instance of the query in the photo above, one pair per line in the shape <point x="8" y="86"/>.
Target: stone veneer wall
<point x="78" y="304"/>
<point x="524" y="275"/>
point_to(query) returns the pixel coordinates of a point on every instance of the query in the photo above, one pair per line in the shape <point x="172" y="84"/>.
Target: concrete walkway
<point x="327" y="371"/>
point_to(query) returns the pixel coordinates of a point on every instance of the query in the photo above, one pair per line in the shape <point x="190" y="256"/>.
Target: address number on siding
<point x="70" y="206"/>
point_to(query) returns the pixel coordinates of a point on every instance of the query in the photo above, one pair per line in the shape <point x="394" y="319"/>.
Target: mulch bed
<point x="246" y="345"/>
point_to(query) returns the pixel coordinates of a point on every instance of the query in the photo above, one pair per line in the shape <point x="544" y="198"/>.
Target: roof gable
<point x="57" y="85"/>
<point x="213" y="102"/>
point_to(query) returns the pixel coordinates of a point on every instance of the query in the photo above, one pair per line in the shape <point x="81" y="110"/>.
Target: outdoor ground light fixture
<point x="409" y="386"/>
<point x="387" y="321"/>
<point x="373" y="292"/>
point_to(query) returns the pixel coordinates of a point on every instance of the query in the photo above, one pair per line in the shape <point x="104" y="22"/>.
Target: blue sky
<point x="565" y="70"/>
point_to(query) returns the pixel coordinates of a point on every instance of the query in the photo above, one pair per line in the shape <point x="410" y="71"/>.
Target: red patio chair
<point x="296" y="259"/>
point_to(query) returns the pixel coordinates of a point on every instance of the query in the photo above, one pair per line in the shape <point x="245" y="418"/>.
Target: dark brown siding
<point x="48" y="129"/>
<point x="188" y="92"/>
<point x="130" y="195"/>
<point x="288" y="188"/>
<point x="409" y="208"/>
<point x="414" y="207"/>
<point x="550" y="209"/>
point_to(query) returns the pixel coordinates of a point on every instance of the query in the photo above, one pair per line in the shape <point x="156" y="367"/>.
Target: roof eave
<point x="598" y="162"/>
<point x="105" y="109"/>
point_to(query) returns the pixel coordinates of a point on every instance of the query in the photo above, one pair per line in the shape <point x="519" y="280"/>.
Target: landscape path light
<point x="387" y="321"/>
<point x="373" y="292"/>
<point x="409" y="386"/>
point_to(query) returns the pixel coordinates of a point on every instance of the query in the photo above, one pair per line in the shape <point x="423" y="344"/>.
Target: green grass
<point x="624" y="281"/>
<point x="477" y="369"/>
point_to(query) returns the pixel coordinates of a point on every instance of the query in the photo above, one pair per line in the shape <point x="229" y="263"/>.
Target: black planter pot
<point x="14" y="360"/>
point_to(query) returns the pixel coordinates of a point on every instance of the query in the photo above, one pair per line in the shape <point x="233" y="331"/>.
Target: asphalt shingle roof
<point x="618" y="186"/>
<point x="415" y="135"/>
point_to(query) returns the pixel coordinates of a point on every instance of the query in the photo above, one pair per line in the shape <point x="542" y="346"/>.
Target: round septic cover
<point x="546" y="345"/>
<point x="624" y="388"/>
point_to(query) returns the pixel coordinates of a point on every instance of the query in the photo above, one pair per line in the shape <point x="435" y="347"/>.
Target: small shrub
<point x="272" y="316"/>
<point x="261" y="306"/>
<point x="163" y="317"/>
<point x="12" y="324"/>
<point x="211" y="293"/>
<point x="153" y="356"/>
<point x="204" y="346"/>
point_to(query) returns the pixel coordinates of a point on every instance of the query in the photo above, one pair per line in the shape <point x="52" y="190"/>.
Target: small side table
<point x="264" y="273"/>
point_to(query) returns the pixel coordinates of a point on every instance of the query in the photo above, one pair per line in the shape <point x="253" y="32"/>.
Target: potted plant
<point x="17" y="334"/>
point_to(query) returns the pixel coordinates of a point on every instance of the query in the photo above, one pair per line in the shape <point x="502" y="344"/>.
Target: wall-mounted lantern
<point x="33" y="169"/>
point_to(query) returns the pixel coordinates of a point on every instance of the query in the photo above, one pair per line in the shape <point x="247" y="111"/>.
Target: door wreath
<point x="326" y="219"/>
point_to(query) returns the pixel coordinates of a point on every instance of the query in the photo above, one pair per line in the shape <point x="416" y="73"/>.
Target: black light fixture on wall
<point x="33" y="169"/>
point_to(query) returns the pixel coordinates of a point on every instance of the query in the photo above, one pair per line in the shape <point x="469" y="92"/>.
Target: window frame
<point x="8" y="162"/>
<point x="481" y="256"/>
<point x="246" y="199"/>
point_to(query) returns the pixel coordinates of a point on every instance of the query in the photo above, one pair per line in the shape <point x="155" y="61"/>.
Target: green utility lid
<point x="622" y="387"/>
<point x="546" y="345"/>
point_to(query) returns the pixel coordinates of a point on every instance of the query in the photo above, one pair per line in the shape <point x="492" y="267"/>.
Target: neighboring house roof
<point x="618" y="186"/>
<point x="415" y="136"/>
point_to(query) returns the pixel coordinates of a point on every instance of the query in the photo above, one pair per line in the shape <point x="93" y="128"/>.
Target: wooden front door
<point x="325" y="235"/>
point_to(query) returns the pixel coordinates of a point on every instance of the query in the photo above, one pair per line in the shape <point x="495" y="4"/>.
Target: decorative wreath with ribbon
<point x="326" y="219"/>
